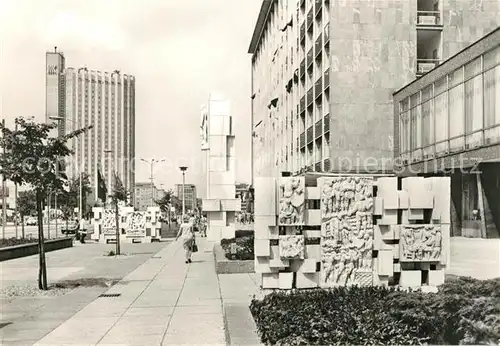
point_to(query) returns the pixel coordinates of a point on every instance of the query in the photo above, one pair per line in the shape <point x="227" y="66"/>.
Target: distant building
<point x="241" y="191"/>
<point x="190" y="193"/>
<point x="76" y="98"/>
<point x="145" y="196"/>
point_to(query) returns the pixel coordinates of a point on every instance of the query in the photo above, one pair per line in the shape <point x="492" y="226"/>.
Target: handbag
<point x="194" y="247"/>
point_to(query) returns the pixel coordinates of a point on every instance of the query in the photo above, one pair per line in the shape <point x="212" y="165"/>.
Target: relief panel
<point x="291" y="246"/>
<point x="421" y="243"/>
<point x="136" y="224"/>
<point x="291" y="201"/>
<point x="347" y="231"/>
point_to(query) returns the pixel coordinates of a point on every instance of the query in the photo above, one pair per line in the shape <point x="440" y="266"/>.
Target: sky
<point x="179" y="51"/>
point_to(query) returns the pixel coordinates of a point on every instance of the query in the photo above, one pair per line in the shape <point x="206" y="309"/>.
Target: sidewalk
<point x="162" y="302"/>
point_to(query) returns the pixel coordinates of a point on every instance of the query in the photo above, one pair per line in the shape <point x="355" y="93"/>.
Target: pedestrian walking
<point x="85" y="227"/>
<point x="186" y="233"/>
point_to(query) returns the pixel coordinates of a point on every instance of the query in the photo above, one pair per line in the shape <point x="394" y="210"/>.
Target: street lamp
<point x="80" y="202"/>
<point x="183" y="170"/>
<point x="151" y="177"/>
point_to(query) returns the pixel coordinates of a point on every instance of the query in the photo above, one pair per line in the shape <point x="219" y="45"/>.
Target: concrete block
<point x="262" y="248"/>
<point x="285" y="281"/>
<point x="307" y="280"/>
<point x="270" y="280"/>
<point x="210" y="205"/>
<point x="396" y="267"/>
<point x="262" y="265"/>
<point x="378" y="241"/>
<point x="313" y="251"/>
<point x="405" y="216"/>
<point x="421" y="200"/>
<point x="269" y="220"/>
<point x="441" y="190"/>
<point x="416" y="214"/>
<point x="387" y="188"/>
<point x="396" y="230"/>
<point x="279" y="263"/>
<point x="222" y="178"/>
<point x="436" y="277"/>
<point x="222" y="191"/>
<point x="308" y="266"/>
<point x="214" y="233"/>
<point x="413" y="184"/>
<point x="261" y="232"/>
<point x="386" y="231"/>
<point x="395" y="251"/>
<point x="423" y="265"/>
<point x="217" y="164"/>
<point x="312" y="234"/>
<point x="389" y="217"/>
<point x="385" y="263"/>
<point x="404" y="199"/>
<point x="410" y="278"/>
<point x="313" y="217"/>
<point x="274" y="232"/>
<point x="228" y="232"/>
<point x="233" y="204"/>
<point x="378" y="206"/>
<point x="230" y="146"/>
<point x="312" y="192"/>
<point x="265" y="196"/>
<point x="446" y="257"/>
<point x="295" y="265"/>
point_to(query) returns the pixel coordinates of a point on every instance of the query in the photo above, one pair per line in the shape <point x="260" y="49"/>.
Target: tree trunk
<point x="117" y="229"/>
<point x="22" y="226"/>
<point x="42" y="269"/>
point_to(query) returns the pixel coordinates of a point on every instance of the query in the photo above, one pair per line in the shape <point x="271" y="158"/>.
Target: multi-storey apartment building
<point x="55" y="95"/>
<point x="323" y="74"/>
<point x="146" y="195"/>
<point x="448" y="123"/>
<point x="190" y="195"/>
<point x="104" y="100"/>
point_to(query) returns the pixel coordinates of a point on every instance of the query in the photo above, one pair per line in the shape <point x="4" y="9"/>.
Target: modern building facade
<point x="190" y="195"/>
<point x="323" y="74"/>
<point x="101" y="99"/>
<point x="146" y="195"/>
<point x="448" y="123"/>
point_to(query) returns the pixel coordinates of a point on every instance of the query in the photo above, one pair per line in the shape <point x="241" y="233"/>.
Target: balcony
<point x="318" y="45"/>
<point x="302" y="68"/>
<point x="327" y="79"/>
<point x="302" y="4"/>
<point x="326" y="33"/>
<point x="317" y="6"/>
<point x="310" y="20"/>
<point x="425" y="65"/>
<point x="326" y="123"/>
<point x="318" y="129"/>
<point x="302" y="142"/>
<point x="310" y="135"/>
<point x="302" y="105"/>
<point x="310" y="96"/>
<point x="302" y="32"/>
<point x="318" y="87"/>
<point x="309" y="57"/>
<point x="429" y="19"/>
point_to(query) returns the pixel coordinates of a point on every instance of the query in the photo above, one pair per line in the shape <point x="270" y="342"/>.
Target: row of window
<point x="459" y="111"/>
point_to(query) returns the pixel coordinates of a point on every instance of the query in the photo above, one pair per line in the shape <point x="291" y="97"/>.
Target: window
<point x="456" y="109"/>
<point x="415" y="123"/>
<point x="474" y="103"/>
<point x="427" y="117"/>
<point x="491" y="85"/>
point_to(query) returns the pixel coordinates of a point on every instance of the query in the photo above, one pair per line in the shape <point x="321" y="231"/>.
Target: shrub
<point x="244" y="248"/>
<point x="377" y="315"/>
<point x="16" y="241"/>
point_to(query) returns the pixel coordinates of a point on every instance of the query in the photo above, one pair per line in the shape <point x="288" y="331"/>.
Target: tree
<point x="32" y="156"/>
<point x="165" y="203"/>
<point x="69" y="200"/>
<point x="118" y="194"/>
<point x="26" y="205"/>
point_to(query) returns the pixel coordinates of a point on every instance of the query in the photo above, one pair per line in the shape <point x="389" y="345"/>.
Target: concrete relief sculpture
<point x="347" y="231"/>
<point x="204" y="129"/>
<point x="109" y="222"/>
<point x="291" y="246"/>
<point x="136" y="223"/>
<point x="292" y="201"/>
<point x="421" y="243"/>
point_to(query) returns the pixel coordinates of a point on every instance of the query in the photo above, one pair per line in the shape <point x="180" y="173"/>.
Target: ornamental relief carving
<point x="421" y="243"/>
<point x="292" y="201"/>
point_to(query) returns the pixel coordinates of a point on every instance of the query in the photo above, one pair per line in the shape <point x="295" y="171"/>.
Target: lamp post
<point x="80" y="145"/>
<point x="151" y="163"/>
<point x="183" y="170"/>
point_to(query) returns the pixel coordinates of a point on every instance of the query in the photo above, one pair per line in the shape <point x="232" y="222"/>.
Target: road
<point x="10" y="231"/>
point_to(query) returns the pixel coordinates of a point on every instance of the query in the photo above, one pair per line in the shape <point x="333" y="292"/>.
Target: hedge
<point x="464" y="311"/>
<point x="244" y="248"/>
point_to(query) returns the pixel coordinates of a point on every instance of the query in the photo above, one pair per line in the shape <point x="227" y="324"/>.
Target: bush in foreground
<point x="244" y="248"/>
<point x="16" y="241"/>
<point x="465" y="311"/>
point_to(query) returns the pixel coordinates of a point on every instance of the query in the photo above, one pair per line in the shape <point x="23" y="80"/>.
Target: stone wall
<point x="355" y="230"/>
